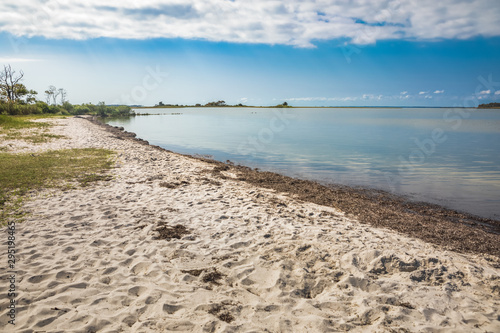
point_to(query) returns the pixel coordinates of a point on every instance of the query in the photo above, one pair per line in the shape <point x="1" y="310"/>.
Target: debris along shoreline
<point x="452" y="229"/>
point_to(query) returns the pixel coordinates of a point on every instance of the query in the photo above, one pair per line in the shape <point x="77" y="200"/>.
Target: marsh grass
<point x="24" y="128"/>
<point x="21" y="174"/>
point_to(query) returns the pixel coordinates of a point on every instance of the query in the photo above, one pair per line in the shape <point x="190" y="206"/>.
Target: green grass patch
<point x="43" y="116"/>
<point x="20" y="122"/>
<point x="64" y="169"/>
<point x="14" y="128"/>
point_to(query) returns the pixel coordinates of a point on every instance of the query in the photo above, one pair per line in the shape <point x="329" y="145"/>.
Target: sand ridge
<point x="91" y="259"/>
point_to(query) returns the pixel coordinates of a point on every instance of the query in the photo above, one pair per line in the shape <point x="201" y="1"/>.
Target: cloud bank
<point x="404" y="95"/>
<point x="295" y="22"/>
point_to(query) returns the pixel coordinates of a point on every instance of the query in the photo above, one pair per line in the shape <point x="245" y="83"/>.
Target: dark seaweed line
<point x="454" y="230"/>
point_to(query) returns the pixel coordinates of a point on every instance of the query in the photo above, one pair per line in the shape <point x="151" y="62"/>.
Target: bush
<point x="80" y="109"/>
<point x="54" y="109"/>
<point x="16" y="109"/>
<point x="42" y="107"/>
<point x="31" y="109"/>
<point x="68" y="107"/>
<point x="123" y="110"/>
<point x="103" y="110"/>
<point x="3" y="108"/>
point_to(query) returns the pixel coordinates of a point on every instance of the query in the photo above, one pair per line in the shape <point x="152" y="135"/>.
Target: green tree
<point x="22" y="95"/>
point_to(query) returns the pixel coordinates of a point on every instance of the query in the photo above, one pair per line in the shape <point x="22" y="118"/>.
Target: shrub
<point x="68" y="107"/>
<point x="53" y="109"/>
<point x="42" y="107"/>
<point x="80" y="109"/>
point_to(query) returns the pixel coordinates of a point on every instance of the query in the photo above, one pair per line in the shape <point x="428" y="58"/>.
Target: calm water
<point x="445" y="156"/>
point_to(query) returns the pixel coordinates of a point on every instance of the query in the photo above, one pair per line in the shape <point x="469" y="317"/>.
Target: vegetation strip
<point x="17" y="99"/>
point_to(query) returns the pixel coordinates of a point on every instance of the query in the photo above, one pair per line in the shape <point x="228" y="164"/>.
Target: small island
<point x="489" y="106"/>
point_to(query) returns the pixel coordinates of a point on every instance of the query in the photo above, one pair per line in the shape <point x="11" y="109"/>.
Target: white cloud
<point x="364" y="97"/>
<point x="439" y="92"/>
<point x="337" y="99"/>
<point x="428" y="96"/>
<point x="307" y="99"/>
<point x="14" y="60"/>
<point x="497" y="92"/>
<point x="344" y="99"/>
<point x="404" y="93"/>
<point x="372" y="97"/>
<point x="294" y="22"/>
<point x="485" y="92"/>
<point x="423" y="92"/>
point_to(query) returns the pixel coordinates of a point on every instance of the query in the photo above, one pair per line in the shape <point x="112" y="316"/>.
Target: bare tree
<point x="51" y="95"/>
<point x="54" y="95"/>
<point x="62" y="93"/>
<point x="48" y="95"/>
<point x="9" y="82"/>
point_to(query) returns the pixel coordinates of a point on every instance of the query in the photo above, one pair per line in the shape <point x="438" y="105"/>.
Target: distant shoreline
<point x="308" y="107"/>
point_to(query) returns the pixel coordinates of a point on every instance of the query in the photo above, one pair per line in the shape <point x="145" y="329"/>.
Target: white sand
<point x="89" y="260"/>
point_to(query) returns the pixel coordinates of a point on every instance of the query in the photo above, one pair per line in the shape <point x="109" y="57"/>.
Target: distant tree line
<point x="489" y="106"/>
<point x="212" y="104"/>
<point x="16" y="99"/>
<point x="216" y="104"/>
<point x="198" y="105"/>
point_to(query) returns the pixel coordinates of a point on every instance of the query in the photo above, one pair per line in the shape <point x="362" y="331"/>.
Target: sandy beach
<point x="166" y="246"/>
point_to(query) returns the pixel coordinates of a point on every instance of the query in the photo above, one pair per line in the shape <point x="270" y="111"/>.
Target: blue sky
<point x="318" y="53"/>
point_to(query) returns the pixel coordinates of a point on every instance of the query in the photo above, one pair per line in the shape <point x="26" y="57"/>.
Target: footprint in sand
<point x="137" y="291"/>
<point x="38" y="278"/>
<point x="171" y="309"/>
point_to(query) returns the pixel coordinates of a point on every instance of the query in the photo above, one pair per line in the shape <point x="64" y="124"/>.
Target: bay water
<point x="447" y="156"/>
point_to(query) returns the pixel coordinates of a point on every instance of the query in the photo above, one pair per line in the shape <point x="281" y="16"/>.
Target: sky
<point x="261" y="52"/>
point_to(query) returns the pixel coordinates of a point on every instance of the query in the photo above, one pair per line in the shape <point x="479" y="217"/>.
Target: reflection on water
<point x="446" y="156"/>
